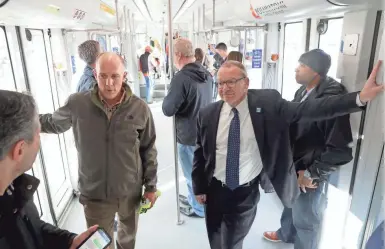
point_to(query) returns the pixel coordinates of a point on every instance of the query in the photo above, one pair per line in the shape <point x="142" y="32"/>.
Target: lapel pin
<point x="258" y="110"/>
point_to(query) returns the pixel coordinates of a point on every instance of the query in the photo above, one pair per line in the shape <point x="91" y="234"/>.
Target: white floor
<point x="158" y="228"/>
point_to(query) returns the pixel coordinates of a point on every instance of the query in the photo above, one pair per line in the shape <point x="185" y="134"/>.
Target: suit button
<point x="15" y="211"/>
<point x="29" y="187"/>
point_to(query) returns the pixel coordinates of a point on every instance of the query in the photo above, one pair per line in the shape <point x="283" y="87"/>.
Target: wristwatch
<point x="307" y="174"/>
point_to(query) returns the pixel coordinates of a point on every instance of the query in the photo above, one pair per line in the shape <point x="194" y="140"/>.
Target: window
<point x="7" y="80"/>
<point x="330" y="42"/>
<point x="293" y="49"/>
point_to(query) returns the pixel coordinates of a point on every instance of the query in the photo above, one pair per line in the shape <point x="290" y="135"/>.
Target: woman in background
<point x="235" y="56"/>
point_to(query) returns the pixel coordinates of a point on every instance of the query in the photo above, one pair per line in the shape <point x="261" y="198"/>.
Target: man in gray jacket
<point x="115" y="137"/>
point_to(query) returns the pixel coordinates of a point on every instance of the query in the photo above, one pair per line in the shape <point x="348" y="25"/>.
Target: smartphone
<point x="97" y="240"/>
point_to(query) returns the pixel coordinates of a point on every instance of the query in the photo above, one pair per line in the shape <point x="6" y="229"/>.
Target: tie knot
<point x="235" y="111"/>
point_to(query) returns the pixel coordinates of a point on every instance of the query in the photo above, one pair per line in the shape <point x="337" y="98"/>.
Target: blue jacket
<point x="87" y="81"/>
<point x="376" y="240"/>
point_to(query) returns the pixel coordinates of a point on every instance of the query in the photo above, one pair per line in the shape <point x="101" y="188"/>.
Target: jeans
<point x="148" y="88"/>
<point x="302" y="223"/>
<point x="186" y="155"/>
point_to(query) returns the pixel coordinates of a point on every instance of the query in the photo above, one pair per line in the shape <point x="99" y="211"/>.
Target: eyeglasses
<point x="229" y="83"/>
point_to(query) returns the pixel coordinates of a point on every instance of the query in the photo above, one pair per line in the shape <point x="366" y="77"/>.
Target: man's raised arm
<point x="330" y="107"/>
<point x="57" y="122"/>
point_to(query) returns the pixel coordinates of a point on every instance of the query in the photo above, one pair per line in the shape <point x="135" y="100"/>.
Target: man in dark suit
<point x="245" y="136"/>
<point x="319" y="148"/>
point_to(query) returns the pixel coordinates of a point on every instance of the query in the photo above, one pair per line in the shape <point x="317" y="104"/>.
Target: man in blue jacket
<point x="88" y="52"/>
<point x="190" y="90"/>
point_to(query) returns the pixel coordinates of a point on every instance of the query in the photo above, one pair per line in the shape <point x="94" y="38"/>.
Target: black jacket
<point x="190" y="90"/>
<point x="143" y="60"/>
<point x="271" y="117"/>
<point x="322" y="146"/>
<point x="20" y="224"/>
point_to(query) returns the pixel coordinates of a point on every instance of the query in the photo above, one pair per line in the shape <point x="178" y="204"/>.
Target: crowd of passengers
<point x="227" y="149"/>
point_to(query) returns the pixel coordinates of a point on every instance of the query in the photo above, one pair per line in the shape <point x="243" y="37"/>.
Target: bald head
<point x="183" y="52"/>
<point x="110" y="74"/>
<point x="109" y="57"/>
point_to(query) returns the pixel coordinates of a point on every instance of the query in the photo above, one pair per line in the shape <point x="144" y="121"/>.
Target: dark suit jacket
<point x="271" y="117"/>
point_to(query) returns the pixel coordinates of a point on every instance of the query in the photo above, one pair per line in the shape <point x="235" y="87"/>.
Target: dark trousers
<point x="302" y="223"/>
<point x="230" y="214"/>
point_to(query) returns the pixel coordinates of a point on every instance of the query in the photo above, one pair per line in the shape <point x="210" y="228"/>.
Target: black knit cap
<point x="317" y="60"/>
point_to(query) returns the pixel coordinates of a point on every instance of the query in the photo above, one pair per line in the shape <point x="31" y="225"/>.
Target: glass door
<point x="54" y="161"/>
<point x="7" y="82"/>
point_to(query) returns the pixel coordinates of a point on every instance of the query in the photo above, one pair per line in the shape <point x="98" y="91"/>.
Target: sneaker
<point x="183" y="199"/>
<point x="271" y="236"/>
<point x="188" y="211"/>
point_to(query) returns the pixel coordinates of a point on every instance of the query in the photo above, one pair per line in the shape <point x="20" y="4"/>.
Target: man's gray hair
<point x="240" y="66"/>
<point x="89" y="51"/>
<point x="18" y="119"/>
<point x="185" y="47"/>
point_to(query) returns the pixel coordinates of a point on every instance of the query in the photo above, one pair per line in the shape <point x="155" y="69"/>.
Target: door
<point x="43" y="88"/>
<point x="7" y="82"/>
<point x="376" y="211"/>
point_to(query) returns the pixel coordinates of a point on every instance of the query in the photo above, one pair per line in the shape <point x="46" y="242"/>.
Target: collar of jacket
<point x="96" y="100"/>
<point x="15" y="198"/>
<point x="89" y="71"/>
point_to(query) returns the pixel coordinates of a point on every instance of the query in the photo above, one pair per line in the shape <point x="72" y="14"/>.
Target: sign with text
<point x="257" y="58"/>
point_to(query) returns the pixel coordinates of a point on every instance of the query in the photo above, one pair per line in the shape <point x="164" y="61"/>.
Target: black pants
<point x="230" y="214"/>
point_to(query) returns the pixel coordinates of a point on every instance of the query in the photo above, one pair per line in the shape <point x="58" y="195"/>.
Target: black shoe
<point x="188" y="211"/>
<point x="183" y="199"/>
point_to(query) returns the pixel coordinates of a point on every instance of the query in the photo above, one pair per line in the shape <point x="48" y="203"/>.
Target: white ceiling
<point x="239" y="12"/>
<point x="34" y="12"/>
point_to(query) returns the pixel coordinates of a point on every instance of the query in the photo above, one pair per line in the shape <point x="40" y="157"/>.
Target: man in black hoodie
<point x="319" y="148"/>
<point x="190" y="90"/>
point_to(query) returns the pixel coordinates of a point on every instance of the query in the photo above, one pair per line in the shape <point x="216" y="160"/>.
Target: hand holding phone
<point x="98" y="239"/>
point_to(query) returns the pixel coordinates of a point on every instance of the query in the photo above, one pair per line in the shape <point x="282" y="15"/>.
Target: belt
<point x="248" y="184"/>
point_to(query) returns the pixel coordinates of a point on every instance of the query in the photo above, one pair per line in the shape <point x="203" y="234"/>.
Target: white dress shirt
<point x="250" y="163"/>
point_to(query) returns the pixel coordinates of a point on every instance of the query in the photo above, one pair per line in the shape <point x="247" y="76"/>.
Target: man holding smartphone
<point x="20" y="224"/>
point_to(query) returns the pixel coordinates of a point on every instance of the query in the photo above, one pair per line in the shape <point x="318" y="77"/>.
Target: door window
<point x="7" y="81"/>
<point x="330" y="42"/>
<point x="293" y="49"/>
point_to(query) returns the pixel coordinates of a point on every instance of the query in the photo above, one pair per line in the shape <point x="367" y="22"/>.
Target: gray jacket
<point x="115" y="156"/>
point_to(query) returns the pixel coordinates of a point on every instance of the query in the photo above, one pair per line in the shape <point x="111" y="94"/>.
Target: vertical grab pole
<point x="244" y="45"/>
<point x="171" y="69"/>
